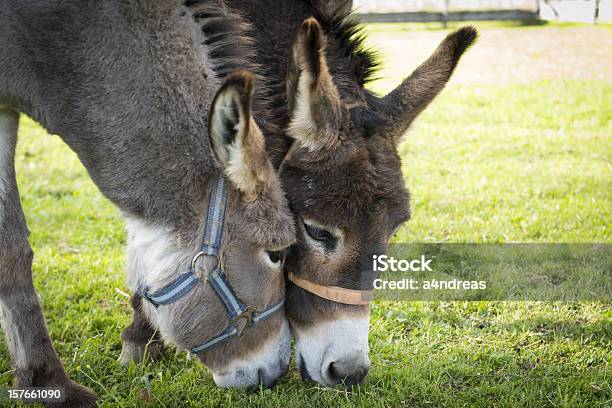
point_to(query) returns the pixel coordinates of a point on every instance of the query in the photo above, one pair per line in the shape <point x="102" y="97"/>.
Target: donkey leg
<point x="35" y="361"/>
<point x="140" y="340"/>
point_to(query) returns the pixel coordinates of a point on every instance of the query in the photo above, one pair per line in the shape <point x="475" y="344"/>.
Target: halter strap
<point x="333" y="293"/>
<point x="232" y="331"/>
<point x="233" y="305"/>
<point x="240" y="316"/>
<point x="174" y="291"/>
<point x="216" y="217"/>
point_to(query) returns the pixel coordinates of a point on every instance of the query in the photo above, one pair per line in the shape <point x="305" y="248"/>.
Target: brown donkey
<point x="127" y="85"/>
<point x="338" y="160"/>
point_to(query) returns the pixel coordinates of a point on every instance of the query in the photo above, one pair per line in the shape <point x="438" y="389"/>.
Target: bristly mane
<point x="225" y="36"/>
<point x="348" y="33"/>
<point x="229" y="44"/>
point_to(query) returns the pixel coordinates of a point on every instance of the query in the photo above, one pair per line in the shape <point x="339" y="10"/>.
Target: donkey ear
<point x="314" y="101"/>
<point x="235" y="138"/>
<point x="404" y="103"/>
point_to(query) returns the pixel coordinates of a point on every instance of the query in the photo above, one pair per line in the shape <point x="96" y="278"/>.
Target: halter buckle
<point x="247" y="316"/>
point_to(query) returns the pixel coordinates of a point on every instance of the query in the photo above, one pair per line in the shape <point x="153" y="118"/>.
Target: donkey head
<point x="257" y="224"/>
<point x="343" y="179"/>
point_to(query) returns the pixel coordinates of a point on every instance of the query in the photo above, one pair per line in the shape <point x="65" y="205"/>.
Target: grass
<point x="525" y="162"/>
<point x="520" y="163"/>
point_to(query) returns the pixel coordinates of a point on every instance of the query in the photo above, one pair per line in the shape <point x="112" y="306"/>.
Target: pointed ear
<point x="235" y="138"/>
<point x="404" y="103"/>
<point x="313" y="100"/>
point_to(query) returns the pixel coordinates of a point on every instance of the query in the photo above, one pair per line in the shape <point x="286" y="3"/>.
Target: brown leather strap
<point x="333" y="293"/>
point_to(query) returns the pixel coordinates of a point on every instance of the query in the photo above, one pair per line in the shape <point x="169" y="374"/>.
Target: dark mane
<point x="225" y="36"/>
<point x="348" y="33"/>
<point x="229" y="43"/>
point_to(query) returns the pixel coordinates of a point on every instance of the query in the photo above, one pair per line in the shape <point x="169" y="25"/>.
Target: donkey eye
<point x="397" y="225"/>
<point x="275" y="257"/>
<point x="323" y="236"/>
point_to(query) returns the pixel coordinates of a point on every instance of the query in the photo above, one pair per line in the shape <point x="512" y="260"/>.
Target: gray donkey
<point x="127" y="85"/>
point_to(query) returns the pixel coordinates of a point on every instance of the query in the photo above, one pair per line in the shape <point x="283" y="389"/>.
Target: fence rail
<point x="591" y="11"/>
<point x="392" y="6"/>
<point x="425" y="17"/>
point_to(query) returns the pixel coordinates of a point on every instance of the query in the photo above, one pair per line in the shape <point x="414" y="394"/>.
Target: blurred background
<point x="456" y="10"/>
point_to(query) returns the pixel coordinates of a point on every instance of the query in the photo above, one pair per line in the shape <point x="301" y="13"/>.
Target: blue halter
<point x="237" y="312"/>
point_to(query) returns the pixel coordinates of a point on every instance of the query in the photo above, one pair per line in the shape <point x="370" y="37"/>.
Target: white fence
<point x="436" y="10"/>
<point x="577" y="11"/>
<point x="390" y="6"/>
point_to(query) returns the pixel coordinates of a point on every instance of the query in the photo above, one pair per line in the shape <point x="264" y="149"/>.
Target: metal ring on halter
<point x="200" y="254"/>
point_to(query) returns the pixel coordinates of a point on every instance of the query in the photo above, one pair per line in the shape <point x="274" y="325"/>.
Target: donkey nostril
<point x="304" y="371"/>
<point x="333" y="373"/>
<point x="284" y="368"/>
<point x="267" y="381"/>
<point x="260" y="376"/>
<point x="356" y="378"/>
<point x="260" y="381"/>
<point x="346" y="377"/>
<point x="272" y="383"/>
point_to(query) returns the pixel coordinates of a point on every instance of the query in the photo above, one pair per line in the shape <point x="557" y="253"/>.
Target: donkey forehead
<point x="266" y="221"/>
<point x="364" y="186"/>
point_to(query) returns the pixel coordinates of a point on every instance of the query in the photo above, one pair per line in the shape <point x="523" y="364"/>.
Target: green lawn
<point x="510" y="162"/>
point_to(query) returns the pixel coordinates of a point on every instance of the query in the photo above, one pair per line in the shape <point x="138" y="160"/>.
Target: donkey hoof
<point x="77" y="396"/>
<point x="151" y="351"/>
